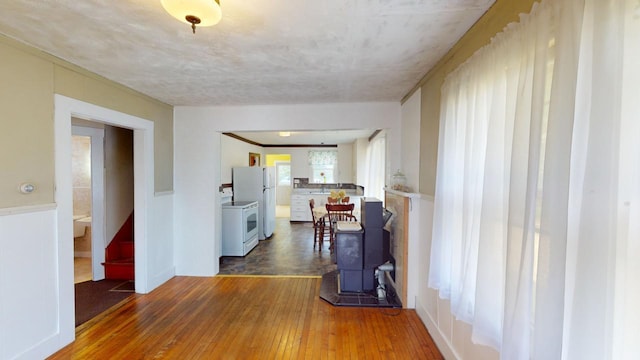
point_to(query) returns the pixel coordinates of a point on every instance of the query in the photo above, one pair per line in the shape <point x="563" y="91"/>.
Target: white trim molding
<point x="27" y="209"/>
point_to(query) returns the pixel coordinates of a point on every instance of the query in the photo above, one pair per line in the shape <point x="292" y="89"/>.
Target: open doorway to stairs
<point x="143" y="185"/>
<point x="102" y="217"/>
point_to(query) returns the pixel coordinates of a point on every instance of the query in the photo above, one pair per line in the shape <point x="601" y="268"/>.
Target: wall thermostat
<point x="27" y="188"/>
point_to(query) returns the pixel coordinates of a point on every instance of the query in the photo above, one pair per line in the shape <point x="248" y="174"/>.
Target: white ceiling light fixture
<point x="284" y="133"/>
<point x="194" y="12"/>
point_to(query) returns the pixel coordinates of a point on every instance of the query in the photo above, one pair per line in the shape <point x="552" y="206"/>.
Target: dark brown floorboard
<point x="94" y="297"/>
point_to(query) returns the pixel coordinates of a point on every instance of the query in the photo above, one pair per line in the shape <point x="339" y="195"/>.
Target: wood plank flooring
<point x="243" y="317"/>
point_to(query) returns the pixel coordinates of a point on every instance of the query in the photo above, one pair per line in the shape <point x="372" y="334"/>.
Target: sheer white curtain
<point x="376" y="160"/>
<point x="537" y="193"/>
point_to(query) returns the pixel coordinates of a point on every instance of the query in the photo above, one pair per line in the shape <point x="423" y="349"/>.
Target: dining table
<point x="319" y="212"/>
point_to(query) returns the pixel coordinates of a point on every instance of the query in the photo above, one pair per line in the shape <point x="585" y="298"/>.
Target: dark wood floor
<point x="288" y="252"/>
<point x="248" y="318"/>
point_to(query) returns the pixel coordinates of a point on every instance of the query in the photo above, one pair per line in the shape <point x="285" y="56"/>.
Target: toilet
<point x="81" y="223"/>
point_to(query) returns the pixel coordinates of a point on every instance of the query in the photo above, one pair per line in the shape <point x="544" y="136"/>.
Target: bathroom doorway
<point x="88" y="200"/>
<point x="81" y="175"/>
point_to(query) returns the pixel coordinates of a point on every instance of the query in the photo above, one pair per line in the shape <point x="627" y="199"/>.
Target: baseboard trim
<point x="163" y="193"/>
<point x="160" y="279"/>
<point x="44" y="348"/>
<point x="438" y="337"/>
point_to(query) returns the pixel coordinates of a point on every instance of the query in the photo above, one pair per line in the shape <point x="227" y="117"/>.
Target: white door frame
<point x="98" y="243"/>
<point x="65" y="109"/>
<point x="287" y="200"/>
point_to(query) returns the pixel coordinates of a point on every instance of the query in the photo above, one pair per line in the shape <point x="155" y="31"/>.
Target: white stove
<point x="239" y="227"/>
<point x="238" y="204"/>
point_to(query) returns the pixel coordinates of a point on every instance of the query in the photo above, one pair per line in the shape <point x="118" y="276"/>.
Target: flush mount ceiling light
<point x="284" y="133"/>
<point x="194" y="12"/>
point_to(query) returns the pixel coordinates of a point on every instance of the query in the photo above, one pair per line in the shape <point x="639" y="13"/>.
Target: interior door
<point x="283" y="181"/>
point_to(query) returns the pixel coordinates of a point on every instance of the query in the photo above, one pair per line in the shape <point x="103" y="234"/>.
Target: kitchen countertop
<point x="308" y="191"/>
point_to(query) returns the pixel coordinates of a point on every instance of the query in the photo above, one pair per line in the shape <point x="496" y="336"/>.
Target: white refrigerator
<point x="254" y="183"/>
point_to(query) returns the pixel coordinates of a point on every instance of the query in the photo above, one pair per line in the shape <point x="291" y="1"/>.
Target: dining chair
<point x="318" y="227"/>
<point x="335" y="213"/>
<point x="345" y="200"/>
<point x="331" y="200"/>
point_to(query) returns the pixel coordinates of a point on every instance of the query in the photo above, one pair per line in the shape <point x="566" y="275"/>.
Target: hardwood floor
<point x="248" y="318"/>
<point x="253" y="313"/>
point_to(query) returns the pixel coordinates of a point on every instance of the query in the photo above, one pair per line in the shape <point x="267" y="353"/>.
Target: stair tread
<point x="120" y="261"/>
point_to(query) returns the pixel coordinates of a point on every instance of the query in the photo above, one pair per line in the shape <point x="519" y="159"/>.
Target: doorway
<point x="282" y="165"/>
<point x="283" y="189"/>
<point x="65" y="109"/>
<point x="101" y="207"/>
<point x="88" y="200"/>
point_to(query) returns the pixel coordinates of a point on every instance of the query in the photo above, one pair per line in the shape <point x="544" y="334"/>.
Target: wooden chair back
<point x="318" y="227"/>
<point x="312" y="204"/>
<point x="340" y="212"/>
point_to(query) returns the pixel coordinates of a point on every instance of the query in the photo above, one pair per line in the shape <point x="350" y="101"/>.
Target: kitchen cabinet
<point x="300" y="208"/>
<point x="300" y="204"/>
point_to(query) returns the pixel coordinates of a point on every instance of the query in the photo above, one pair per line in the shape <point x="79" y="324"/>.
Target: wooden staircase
<point x="119" y="254"/>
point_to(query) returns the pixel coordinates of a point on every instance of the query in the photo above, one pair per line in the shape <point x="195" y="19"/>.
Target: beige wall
<point x="118" y="167"/>
<point x="493" y="21"/>
<point x="26" y="127"/>
<point x="30" y="78"/>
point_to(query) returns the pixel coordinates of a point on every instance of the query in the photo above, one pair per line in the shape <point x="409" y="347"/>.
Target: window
<point x="284" y="173"/>
<point x="538" y="166"/>
<point x="323" y="165"/>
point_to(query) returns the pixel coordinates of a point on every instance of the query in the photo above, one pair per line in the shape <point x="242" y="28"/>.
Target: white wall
<point x="299" y="159"/>
<point x="360" y="159"/>
<point x="345" y="163"/>
<point x="197" y="203"/>
<point x="28" y="286"/>
<point x="235" y="153"/>
<point x="452" y="337"/>
<point x="300" y="162"/>
<point x="197" y="132"/>
<point x="160" y="252"/>
<point x="410" y="119"/>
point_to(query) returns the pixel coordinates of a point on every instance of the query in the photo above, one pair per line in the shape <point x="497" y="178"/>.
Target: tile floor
<point x="283" y="211"/>
<point x="82" y="269"/>
<point x="288" y="252"/>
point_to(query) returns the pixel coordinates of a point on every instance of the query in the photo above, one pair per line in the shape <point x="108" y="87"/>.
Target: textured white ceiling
<point x="262" y="52"/>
